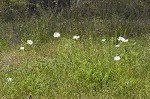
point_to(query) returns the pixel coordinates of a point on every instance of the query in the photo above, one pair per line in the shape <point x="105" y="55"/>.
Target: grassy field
<point x="108" y="59"/>
<point x="67" y="68"/>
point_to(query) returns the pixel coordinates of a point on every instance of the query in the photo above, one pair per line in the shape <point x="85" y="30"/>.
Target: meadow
<point x="50" y="57"/>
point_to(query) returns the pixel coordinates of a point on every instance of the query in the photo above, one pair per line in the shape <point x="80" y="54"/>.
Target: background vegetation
<point x="67" y="68"/>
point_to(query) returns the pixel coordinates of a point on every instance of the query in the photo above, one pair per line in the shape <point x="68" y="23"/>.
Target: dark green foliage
<point x="128" y="9"/>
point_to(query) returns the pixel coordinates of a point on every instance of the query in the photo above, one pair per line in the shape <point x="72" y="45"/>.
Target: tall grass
<point x="86" y="68"/>
<point x="67" y="68"/>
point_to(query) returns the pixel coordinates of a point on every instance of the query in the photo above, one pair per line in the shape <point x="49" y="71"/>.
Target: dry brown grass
<point x="16" y="57"/>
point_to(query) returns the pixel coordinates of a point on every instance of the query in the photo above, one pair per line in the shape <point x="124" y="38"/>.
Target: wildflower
<point x="9" y="79"/>
<point x="122" y="39"/>
<point x="103" y="40"/>
<point x="117" y="45"/>
<point x="56" y="34"/>
<point x="76" y="37"/>
<point x="117" y="58"/>
<point x="30" y="42"/>
<point x="21" y="48"/>
<point x="125" y="40"/>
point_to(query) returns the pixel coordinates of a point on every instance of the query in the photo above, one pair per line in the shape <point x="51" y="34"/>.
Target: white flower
<point x="117" y="45"/>
<point x="126" y="40"/>
<point x="76" y="37"/>
<point x="117" y="58"/>
<point x="9" y="79"/>
<point x="122" y="39"/>
<point x="56" y="34"/>
<point x="30" y="42"/>
<point x="21" y="48"/>
<point x="103" y="40"/>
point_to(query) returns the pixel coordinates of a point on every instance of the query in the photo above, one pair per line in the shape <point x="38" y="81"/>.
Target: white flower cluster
<point x="30" y="42"/>
<point x="122" y="39"/>
<point x="9" y="79"/>
<point x="103" y="40"/>
<point x="117" y="58"/>
<point x="76" y="37"/>
<point x="21" y="48"/>
<point x="56" y="34"/>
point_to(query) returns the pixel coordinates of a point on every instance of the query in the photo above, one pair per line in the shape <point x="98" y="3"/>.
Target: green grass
<point x="66" y="68"/>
